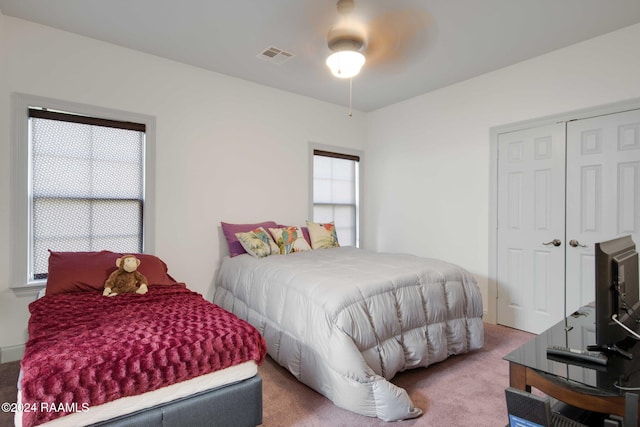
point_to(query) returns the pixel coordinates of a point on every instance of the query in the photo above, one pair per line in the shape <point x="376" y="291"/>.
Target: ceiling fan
<point x="361" y="34"/>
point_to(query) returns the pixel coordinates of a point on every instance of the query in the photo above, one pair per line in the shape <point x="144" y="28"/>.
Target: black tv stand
<point x="610" y="348"/>
<point x="612" y="390"/>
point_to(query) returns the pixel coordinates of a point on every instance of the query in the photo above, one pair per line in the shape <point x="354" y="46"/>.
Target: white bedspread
<point x="344" y="321"/>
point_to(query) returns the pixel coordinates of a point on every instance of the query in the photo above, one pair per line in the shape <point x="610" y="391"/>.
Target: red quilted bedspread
<point x="87" y="349"/>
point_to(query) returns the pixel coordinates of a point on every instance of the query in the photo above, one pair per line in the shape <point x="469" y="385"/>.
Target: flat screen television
<point x="617" y="303"/>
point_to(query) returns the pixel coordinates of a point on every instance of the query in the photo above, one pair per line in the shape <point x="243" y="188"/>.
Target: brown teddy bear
<point x="126" y="279"/>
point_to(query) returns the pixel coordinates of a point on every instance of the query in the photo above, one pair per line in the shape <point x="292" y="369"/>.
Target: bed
<point x="344" y="320"/>
<point x="165" y="358"/>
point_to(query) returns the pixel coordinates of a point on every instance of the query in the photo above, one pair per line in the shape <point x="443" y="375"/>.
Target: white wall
<point x="428" y="157"/>
<point x="227" y="150"/>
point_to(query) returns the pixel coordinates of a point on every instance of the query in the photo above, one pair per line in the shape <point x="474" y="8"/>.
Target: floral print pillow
<point x="323" y="236"/>
<point x="290" y="239"/>
<point x="258" y="243"/>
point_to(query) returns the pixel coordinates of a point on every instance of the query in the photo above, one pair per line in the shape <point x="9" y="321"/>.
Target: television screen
<point x="617" y="301"/>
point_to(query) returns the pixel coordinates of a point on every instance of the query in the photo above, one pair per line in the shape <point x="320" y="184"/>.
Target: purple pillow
<point x="230" y="230"/>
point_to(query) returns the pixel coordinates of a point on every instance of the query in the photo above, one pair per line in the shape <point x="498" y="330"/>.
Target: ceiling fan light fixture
<point x="345" y="63"/>
<point x="347" y="59"/>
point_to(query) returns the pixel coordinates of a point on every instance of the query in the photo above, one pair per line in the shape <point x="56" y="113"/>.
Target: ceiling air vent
<point x="275" y="55"/>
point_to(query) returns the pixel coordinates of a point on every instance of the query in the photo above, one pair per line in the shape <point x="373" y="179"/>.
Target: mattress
<point x="130" y="404"/>
<point x="344" y="320"/>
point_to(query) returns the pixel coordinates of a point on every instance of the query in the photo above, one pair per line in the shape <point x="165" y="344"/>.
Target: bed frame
<point x="238" y="405"/>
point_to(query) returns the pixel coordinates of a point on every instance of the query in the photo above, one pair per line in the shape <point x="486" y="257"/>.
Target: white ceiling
<point x="462" y="38"/>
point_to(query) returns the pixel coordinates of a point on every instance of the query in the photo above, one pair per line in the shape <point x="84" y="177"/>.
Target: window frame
<point x="20" y="176"/>
<point x="348" y="154"/>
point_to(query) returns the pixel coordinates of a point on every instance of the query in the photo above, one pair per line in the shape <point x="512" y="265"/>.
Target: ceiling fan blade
<point x="396" y="35"/>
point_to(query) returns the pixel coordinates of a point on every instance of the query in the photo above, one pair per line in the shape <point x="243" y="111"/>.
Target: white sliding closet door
<point x="531" y="221"/>
<point x="603" y="194"/>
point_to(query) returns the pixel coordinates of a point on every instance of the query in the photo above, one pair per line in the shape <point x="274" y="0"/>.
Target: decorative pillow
<point x="230" y="230"/>
<point x="323" y="236"/>
<point x="258" y="243"/>
<point x="290" y="239"/>
<point x="305" y="232"/>
<point x="87" y="271"/>
<point x="79" y="271"/>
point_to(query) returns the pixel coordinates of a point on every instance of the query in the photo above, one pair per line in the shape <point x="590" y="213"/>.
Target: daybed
<point x="344" y="320"/>
<point x="165" y="358"/>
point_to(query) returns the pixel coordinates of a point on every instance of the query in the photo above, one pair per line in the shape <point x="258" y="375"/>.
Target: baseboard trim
<point x="12" y="353"/>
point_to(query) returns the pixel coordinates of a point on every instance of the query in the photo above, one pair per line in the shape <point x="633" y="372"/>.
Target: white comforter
<point x="344" y="321"/>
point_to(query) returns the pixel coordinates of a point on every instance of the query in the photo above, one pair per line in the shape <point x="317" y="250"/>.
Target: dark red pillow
<point x="79" y="271"/>
<point x="87" y="271"/>
<point x="154" y="269"/>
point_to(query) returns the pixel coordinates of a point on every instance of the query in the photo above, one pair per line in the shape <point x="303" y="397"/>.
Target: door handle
<point x="554" y="242"/>
<point x="574" y="243"/>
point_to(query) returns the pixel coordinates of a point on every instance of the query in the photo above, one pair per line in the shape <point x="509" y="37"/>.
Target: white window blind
<point x="335" y="193"/>
<point x="86" y="186"/>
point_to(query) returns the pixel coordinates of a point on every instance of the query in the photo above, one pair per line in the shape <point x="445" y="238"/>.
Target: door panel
<point x="603" y="193"/>
<point x="531" y="182"/>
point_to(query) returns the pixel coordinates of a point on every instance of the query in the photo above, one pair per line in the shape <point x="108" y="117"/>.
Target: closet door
<point x="603" y="194"/>
<point x="530" y="238"/>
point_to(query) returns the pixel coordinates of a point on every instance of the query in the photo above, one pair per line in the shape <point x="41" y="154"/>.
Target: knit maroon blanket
<point x="86" y="349"/>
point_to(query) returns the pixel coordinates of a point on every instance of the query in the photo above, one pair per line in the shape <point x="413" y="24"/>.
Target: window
<point x="81" y="183"/>
<point x="336" y="193"/>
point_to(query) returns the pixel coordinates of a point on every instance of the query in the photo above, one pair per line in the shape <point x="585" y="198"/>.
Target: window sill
<point x="29" y="289"/>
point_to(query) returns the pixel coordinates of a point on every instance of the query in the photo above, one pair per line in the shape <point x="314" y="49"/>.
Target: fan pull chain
<point x="350" y="96"/>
